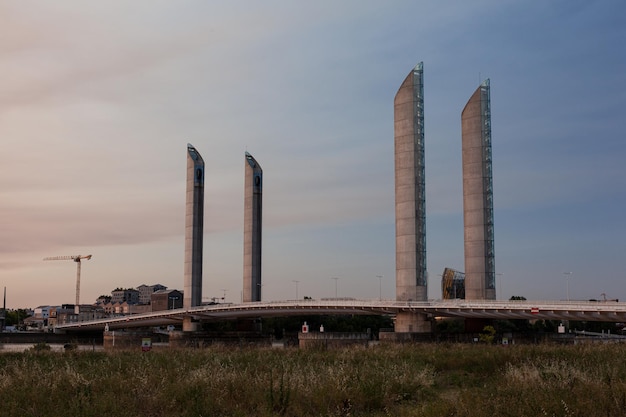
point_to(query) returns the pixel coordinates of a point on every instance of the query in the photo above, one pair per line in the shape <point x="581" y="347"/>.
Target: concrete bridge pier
<point x="411" y="322"/>
<point x="190" y="325"/>
<point x="409" y="326"/>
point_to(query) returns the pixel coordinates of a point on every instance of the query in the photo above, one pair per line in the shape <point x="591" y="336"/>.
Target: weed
<point x="413" y="380"/>
<point x="279" y="396"/>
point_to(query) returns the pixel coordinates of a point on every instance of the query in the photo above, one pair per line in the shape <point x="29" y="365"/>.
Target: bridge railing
<point x="488" y="304"/>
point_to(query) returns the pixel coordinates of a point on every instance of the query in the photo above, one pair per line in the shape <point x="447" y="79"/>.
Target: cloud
<point x="101" y="99"/>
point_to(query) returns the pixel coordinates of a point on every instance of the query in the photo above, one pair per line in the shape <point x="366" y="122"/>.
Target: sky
<point x="98" y="101"/>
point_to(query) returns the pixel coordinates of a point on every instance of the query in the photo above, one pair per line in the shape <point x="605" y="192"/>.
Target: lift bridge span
<point x="483" y="309"/>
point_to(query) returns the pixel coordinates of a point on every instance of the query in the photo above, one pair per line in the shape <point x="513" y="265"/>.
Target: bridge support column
<point x="189" y="325"/>
<point x="410" y="322"/>
<point x="409" y="327"/>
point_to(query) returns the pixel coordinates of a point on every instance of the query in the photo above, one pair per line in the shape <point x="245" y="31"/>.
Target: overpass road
<point x="504" y="310"/>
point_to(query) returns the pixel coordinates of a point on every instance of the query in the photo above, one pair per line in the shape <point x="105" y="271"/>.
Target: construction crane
<point x="75" y="258"/>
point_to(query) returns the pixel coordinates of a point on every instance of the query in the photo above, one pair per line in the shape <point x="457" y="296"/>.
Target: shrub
<point x="41" y="347"/>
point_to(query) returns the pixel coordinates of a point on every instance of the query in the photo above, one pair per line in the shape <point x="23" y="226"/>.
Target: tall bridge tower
<point x="480" y="277"/>
<point x="194" y="229"/>
<point x="411" y="278"/>
<point x="410" y="188"/>
<point x="252" y="230"/>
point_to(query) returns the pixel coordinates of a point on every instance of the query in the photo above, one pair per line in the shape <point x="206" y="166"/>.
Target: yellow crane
<point x="75" y="258"/>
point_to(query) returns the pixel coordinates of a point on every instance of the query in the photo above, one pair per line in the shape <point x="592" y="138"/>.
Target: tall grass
<point x="412" y="380"/>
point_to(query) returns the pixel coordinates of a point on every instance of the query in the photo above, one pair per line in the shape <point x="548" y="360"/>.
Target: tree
<point x="487" y="335"/>
<point x="450" y="326"/>
<point x="13" y="317"/>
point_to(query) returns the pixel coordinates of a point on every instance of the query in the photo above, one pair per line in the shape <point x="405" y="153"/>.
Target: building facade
<point x="410" y="196"/>
<point x="480" y="282"/>
<point x="452" y="284"/>
<point x="42" y="312"/>
<point x="145" y="292"/>
<point x="252" y="229"/>
<point x="166" y="300"/>
<point x="128" y="295"/>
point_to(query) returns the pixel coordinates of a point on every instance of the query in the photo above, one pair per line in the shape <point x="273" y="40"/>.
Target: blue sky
<point x="99" y="100"/>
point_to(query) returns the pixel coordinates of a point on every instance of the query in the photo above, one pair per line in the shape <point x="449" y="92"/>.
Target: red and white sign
<point x="146" y="344"/>
<point x="534" y="310"/>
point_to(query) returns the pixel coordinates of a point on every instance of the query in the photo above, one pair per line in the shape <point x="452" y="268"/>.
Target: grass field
<point x="410" y="380"/>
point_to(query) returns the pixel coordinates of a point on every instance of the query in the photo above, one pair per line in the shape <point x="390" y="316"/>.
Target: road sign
<point x="146" y="344"/>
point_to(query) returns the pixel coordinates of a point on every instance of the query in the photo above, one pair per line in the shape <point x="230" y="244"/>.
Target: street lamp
<point x="173" y="297"/>
<point x="296" y="282"/>
<point x="380" y="287"/>
<point x="336" y="279"/>
<point x="567" y="276"/>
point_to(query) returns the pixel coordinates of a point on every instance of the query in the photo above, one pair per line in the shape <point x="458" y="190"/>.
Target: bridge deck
<point x="546" y="310"/>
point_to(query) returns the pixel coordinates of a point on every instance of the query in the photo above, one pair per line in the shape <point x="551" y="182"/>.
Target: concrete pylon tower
<point x="252" y="229"/>
<point x="411" y="280"/>
<point x="480" y="274"/>
<point x="194" y="225"/>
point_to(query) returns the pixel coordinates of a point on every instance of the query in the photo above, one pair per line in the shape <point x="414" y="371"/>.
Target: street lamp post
<point x="173" y="297"/>
<point x="380" y="287"/>
<point x="567" y="276"/>
<point x="336" y="279"/>
<point x="296" y="282"/>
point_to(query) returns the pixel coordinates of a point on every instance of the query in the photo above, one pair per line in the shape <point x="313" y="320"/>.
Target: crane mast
<point x="75" y="258"/>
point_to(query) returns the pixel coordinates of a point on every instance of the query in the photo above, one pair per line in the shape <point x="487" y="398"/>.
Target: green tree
<point x="450" y="326"/>
<point x="487" y="335"/>
<point x="14" y="317"/>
